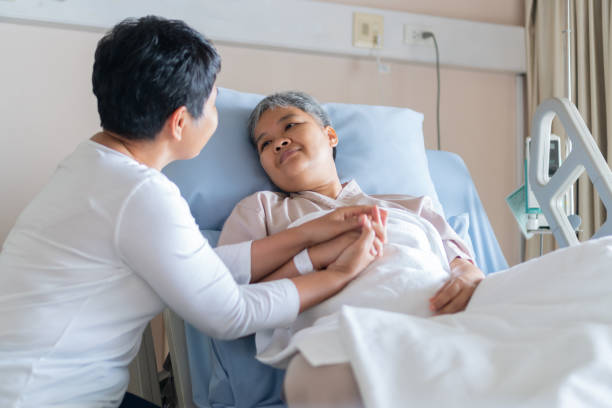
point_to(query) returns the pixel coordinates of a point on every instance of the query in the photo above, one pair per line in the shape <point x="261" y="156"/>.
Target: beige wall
<point x="510" y="12"/>
<point x="47" y="106"/>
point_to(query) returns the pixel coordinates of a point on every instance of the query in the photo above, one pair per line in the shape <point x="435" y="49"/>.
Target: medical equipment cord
<point x="428" y="34"/>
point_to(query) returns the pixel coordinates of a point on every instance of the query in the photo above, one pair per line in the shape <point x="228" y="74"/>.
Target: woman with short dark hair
<point x="109" y="242"/>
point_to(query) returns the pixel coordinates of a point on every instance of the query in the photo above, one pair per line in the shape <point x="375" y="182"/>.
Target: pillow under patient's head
<point x="381" y="147"/>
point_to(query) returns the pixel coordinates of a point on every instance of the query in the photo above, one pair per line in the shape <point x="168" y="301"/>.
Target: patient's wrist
<point x="466" y="267"/>
<point x="303" y="263"/>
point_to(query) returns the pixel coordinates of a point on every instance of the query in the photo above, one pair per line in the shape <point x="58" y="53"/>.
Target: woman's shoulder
<point x="107" y="164"/>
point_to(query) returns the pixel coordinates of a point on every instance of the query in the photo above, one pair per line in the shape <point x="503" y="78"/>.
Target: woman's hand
<point x="455" y="295"/>
<point x="357" y="256"/>
<point x="345" y="219"/>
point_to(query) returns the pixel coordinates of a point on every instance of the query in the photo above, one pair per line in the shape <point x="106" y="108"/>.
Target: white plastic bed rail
<point x="585" y="155"/>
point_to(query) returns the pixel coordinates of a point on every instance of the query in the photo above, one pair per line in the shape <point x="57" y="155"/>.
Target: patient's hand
<point x="343" y="220"/>
<point x="455" y="295"/>
<point x="327" y="252"/>
<point x="323" y="254"/>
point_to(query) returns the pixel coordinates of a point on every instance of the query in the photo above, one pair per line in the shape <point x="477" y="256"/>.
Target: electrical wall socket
<point x="413" y="35"/>
<point x="368" y="30"/>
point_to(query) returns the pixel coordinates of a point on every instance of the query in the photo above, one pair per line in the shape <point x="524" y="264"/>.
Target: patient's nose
<point x="280" y="144"/>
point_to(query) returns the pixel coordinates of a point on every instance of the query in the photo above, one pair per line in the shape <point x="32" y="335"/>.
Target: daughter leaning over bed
<point x="425" y="269"/>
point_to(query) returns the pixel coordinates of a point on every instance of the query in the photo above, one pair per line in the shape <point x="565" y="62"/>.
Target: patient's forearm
<point x="316" y="287"/>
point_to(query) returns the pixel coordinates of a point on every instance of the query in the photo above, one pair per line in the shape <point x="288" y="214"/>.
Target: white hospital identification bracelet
<point x="302" y="262"/>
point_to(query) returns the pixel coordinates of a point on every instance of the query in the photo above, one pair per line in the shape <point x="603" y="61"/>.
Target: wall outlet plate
<point x="368" y="30"/>
<point x="413" y="35"/>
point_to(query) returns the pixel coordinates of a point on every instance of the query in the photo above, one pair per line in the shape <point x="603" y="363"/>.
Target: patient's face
<point x="295" y="150"/>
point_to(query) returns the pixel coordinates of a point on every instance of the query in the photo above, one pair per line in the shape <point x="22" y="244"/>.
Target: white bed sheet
<point x="536" y="335"/>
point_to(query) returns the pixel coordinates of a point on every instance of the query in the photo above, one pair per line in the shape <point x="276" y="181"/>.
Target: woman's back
<point x="71" y="311"/>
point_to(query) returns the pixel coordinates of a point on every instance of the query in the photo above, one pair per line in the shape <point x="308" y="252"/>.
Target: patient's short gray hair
<point x="286" y="99"/>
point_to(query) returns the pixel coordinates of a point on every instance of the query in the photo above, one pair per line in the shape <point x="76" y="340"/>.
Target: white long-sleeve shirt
<point x="103" y="248"/>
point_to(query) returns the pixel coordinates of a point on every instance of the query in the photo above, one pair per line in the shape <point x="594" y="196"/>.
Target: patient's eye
<point x="289" y="126"/>
<point x="263" y="145"/>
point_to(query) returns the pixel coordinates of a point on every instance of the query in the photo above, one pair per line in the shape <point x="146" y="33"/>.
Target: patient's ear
<point x="331" y="134"/>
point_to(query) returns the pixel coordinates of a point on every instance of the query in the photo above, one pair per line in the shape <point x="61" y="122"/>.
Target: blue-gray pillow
<point x="382" y="148"/>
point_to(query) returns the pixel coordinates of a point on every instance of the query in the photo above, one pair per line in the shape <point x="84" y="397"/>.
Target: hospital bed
<point x="382" y="148"/>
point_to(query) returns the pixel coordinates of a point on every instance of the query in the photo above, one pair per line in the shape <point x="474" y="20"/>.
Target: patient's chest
<point x="410" y="271"/>
<point x="409" y="231"/>
<point x="284" y="213"/>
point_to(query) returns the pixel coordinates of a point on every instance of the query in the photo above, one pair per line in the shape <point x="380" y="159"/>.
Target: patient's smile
<point x="287" y="154"/>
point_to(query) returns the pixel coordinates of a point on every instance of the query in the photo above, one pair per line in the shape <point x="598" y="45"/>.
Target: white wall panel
<point x="295" y="24"/>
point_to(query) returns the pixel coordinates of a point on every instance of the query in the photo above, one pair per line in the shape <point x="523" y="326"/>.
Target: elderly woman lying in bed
<point x="425" y="269"/>
<point x="296" y="145"/>
<point x="537" y="334"/>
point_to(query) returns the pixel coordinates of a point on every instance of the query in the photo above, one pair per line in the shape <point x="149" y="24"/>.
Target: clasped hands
<point x="348" y="239"/>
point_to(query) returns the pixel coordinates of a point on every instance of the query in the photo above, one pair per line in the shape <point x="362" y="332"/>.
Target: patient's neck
<point x="330" y="188"/>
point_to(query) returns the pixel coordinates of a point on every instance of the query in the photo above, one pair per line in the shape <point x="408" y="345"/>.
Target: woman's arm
<point x="163" y="245"/>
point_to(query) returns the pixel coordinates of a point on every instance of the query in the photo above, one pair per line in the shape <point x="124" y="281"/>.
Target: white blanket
<point x="536" y="335"/>
<point x="413" y="267"/>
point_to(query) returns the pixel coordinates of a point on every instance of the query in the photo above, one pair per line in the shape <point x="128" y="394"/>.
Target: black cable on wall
<point x="429" y="34"/>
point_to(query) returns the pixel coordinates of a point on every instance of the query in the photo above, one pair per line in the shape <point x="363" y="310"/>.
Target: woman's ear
<point x="176" y="123"/>
<point x="331" y="134"/>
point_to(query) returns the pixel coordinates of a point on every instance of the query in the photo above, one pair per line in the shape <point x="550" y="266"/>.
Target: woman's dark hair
<point x="147" y="68"/>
